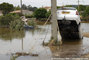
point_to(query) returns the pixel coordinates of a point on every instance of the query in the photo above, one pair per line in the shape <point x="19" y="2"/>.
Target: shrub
<point x="32" y="23"/>
<point x="48" y="14"/>
<point x="40" y="13"/>
<point x="5" y="20"/>
<point x="29" y="16"/>
<point x="16" y="24"/>
<point x="86" y="12"/>
<point x="6" y="8"/>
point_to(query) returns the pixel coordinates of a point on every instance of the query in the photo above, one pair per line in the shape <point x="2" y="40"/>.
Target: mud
<point x="86" y="34"/>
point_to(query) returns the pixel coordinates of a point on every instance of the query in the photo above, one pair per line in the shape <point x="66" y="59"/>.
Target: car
<point x="69" y="23"/>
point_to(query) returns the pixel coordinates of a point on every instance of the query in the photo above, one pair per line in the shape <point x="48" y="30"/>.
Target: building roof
<point x="25" y="12"/>
<point x="19" y="11"/>
<point x="47" y="7"/>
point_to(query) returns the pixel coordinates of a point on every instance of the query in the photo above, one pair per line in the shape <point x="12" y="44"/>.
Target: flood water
<point x="30" y="41"/>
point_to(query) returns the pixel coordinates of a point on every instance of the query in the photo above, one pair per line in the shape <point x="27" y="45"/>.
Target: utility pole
<point x="21" y="5"/>
<point x="54" y="20"/>
<point x="78" y="4"/>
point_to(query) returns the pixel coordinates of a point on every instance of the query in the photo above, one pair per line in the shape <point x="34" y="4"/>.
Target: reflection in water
<point x="7" y="34"/>
<point x="22" y="45"/>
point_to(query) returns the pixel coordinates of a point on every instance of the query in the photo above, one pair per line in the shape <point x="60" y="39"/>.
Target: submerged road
<point x="32" y="43"/>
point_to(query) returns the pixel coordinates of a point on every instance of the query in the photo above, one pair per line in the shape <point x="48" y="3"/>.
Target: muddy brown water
<point x="30" y="41"/>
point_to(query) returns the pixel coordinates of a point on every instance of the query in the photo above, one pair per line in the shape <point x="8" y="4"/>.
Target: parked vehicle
<point x="69" y="23"/>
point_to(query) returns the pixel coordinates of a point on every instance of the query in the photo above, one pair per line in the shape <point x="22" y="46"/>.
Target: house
<point x="47" y="8"/>
<point x="27" y="12"/>
<point x="1" y="13"/>
<point x="24" y="12"/>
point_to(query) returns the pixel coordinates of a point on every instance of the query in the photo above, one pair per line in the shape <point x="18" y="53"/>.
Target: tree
<point x="68" y="6"/>
<point x="48" y="14"/>
<point x="31" y="8"/>
<point x="17" y="7"/>
<point x="86" y="12"/>
<point x="82" y="7"/>
<point x="40" y="13"/>
<point x="6" y="8"/>
<point x="24" y="7"/>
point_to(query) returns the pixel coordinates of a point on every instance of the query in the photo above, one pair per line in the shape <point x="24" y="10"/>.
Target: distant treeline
<point x="25" y="7"/>
<point x="42" y="12"/>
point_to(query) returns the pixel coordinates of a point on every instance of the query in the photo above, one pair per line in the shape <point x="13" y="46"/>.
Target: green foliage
<point x="81" y="8"/>
<point x="16" y="25"/>
<point x="5" y="20"/>
<point x="29" y="16"/>
<point x="24" y="7"/>
<point x="17" y="8"/>
<point x="40" y="13"/>
<point x="48" y="14"/>
<point x="68" y="6"/>
<point x="6" y="8"/>
<point x="58" y="7"/>
<point x="29" y="7"/>
<point x="32" y="23"/>
<point x="86" y="12"/>
<point x="7" y="34"/>
<point x="86" y="18"/>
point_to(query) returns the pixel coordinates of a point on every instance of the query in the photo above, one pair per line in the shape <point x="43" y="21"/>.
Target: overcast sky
<point x="40" y="3"/>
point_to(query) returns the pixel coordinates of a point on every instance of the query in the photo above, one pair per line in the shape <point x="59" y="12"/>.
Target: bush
<point x="48" y="14"/>
<point x="85" y="18"/>
<point x="40" y="13"/>
<point x="5" y="20"/>
<point x="32" y="23"/>
<point x="86" y="12"/>
<point x="29" y="16"/>
<point x="16" y="24"/>
<point x="6" y="8"/>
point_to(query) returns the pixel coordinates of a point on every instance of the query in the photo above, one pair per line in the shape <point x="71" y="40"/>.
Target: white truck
<point x="69" y="23"/>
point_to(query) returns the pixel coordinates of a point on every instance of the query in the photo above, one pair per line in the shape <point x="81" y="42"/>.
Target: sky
<point x="43" y="3"/>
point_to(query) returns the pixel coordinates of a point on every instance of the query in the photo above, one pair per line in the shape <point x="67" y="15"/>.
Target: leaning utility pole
<point x="21" y="5"/>
<point x="54" y="20"/>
